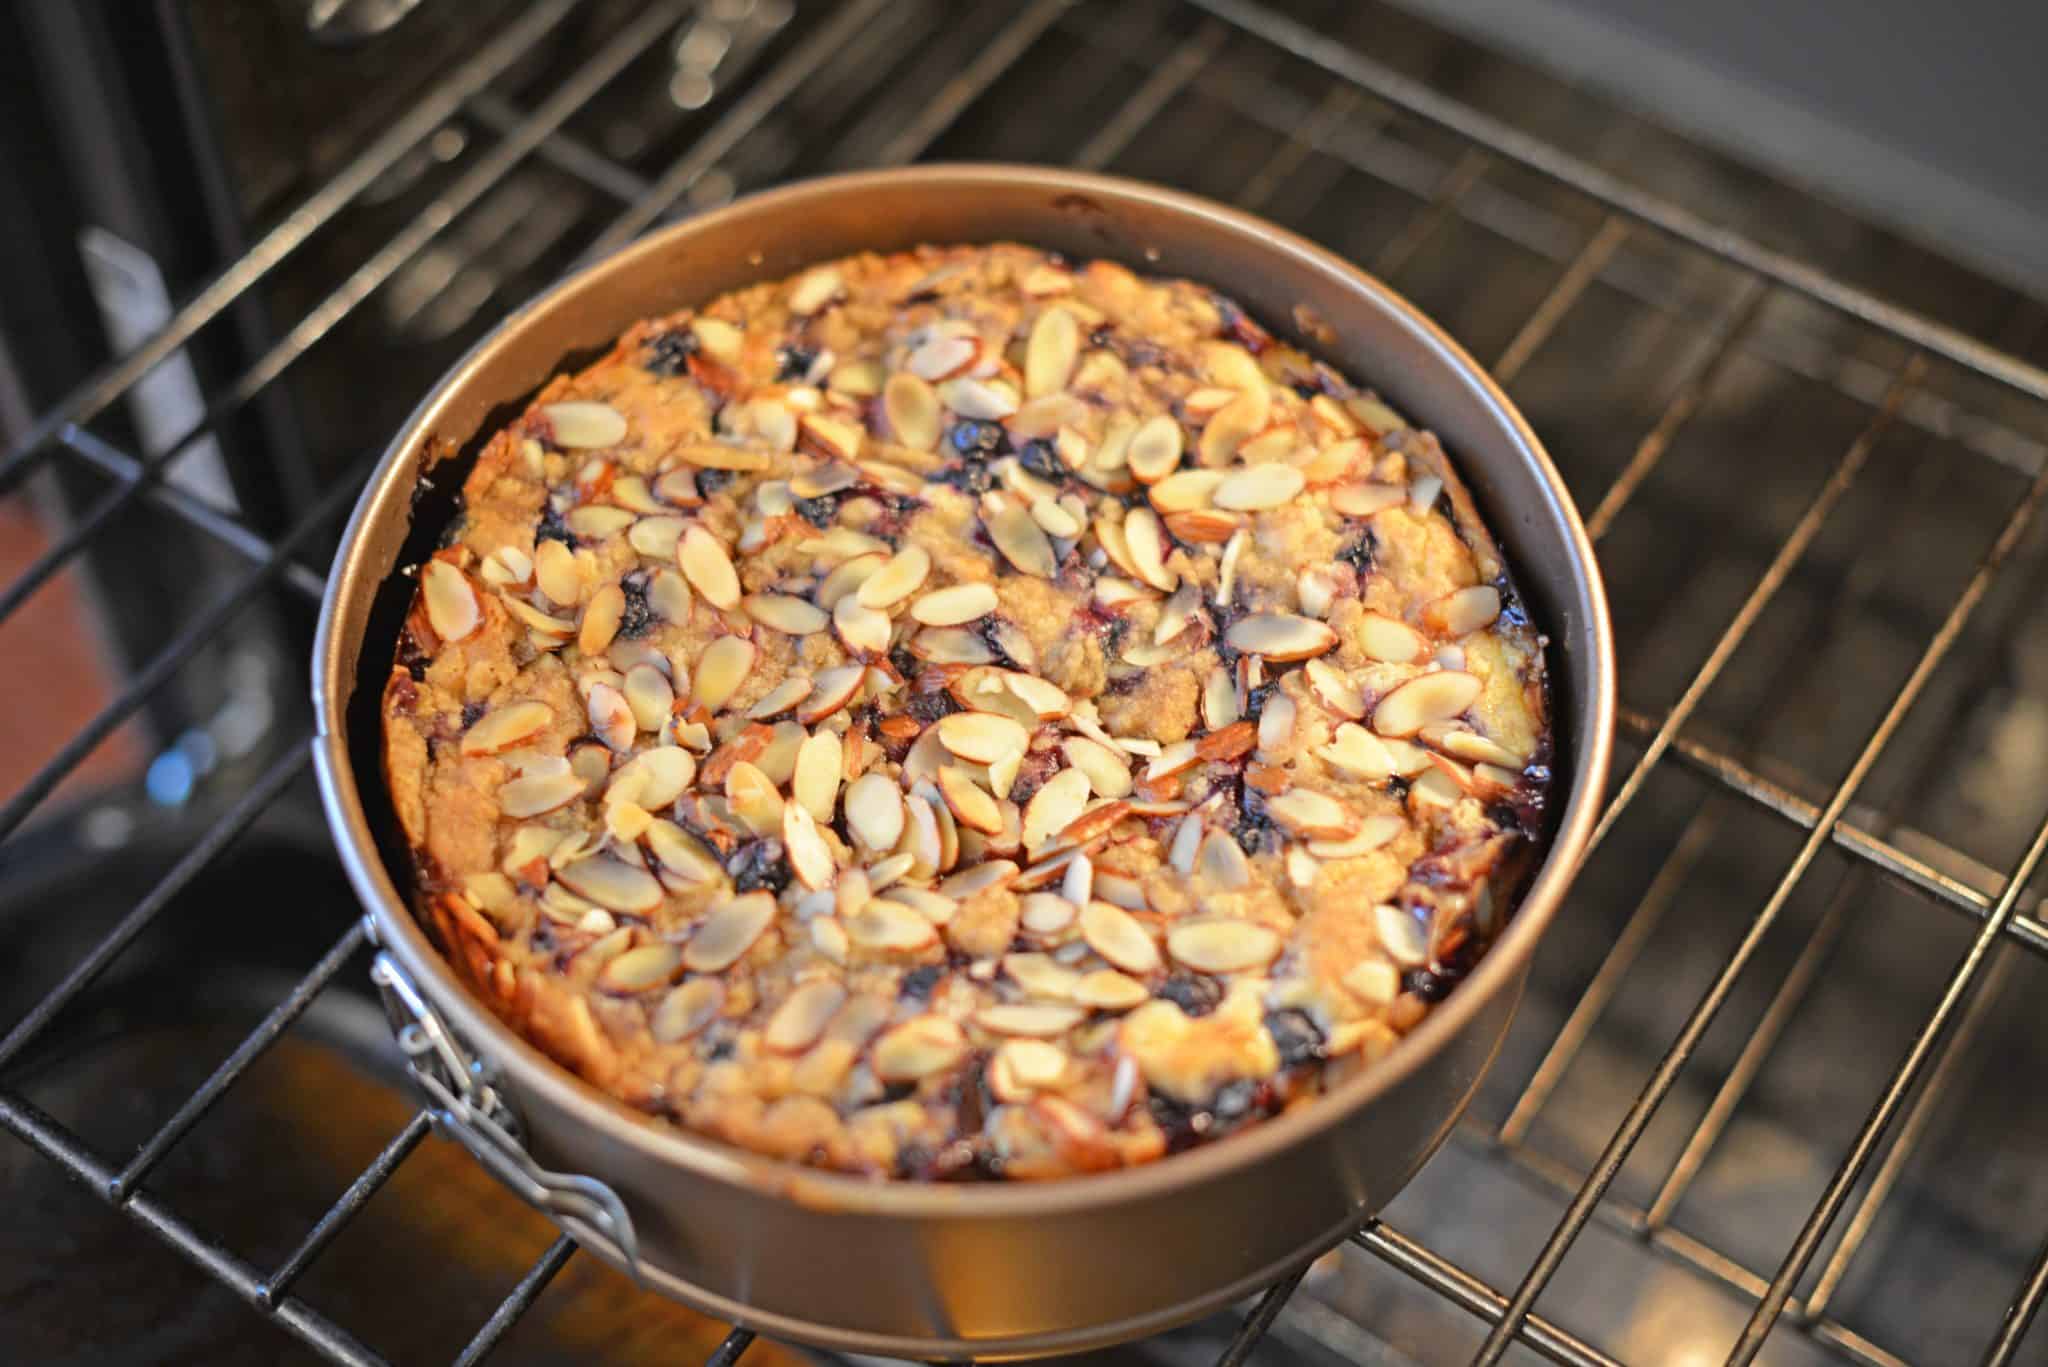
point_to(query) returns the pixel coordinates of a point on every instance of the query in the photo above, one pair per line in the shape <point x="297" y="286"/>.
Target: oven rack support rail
<point x="1366" y="96"/>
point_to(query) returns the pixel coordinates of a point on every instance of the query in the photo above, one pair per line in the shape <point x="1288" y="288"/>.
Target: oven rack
<point x="1362" y="98"/>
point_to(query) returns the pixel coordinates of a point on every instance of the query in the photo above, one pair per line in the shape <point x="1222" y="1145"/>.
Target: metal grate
<point x="1726" y="618"/>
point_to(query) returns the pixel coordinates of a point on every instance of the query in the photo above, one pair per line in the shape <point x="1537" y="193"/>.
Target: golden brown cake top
<point x="960" y="714"/>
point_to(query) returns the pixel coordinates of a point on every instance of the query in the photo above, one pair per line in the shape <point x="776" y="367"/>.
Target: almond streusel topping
<point x="958" y="714"/>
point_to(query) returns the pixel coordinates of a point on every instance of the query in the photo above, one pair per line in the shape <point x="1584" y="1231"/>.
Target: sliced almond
<point x="1463" y="612"/>
<point x="912" y="411"/>
<point x="1465" y="745"/>
<point x="1280" y="636"/>
<point x="1222" y="862"/>
<point x="833" y="689"/>
<point x="1058" y="802"/>
<point x="987" y="401"/>
<point x="648" y="696"/>
<point x="889" y="927"/>
<point x="813" y="290"/>
<point x="598" y="522"/>
<point x="971" y="804"/>
<point x="686" y="1010"/>
<point x="864" y="630"/>
<point x="534" y="794"/>
<point x="721" y="670"/>
<point x="802" y="1017"/>
<point x="1372" y="833"/>
<point x="453" y="608"/>
<point x="1234" y="424"/>
<point x="781" y="698"/>
<point x="657" y="776"/>
<point x="611" y="719"/>
<point x="942" y="356"/>
<point x="1358" y="753"/>
<point x="1333" y="690"/>
<point x="954" y="606"/>
<point x="1402" y="935"/>
<point x="809" y="856"/>
<point x="1363" y="500"/>
<point x="1107" y="990"/>
<point x="1216" y="945"/>
<point x="719" y="455"/>
<point x="895" y="580"/>
<point x="704" y="562"/>
<point x="1022" y="1067"/>
<point x="1219" y="700"/>
<point x="1422" y="493"/>
<point x="678" y="488"/>
<point x="847" y="576"/>
<point x="1388" y="640"/>
<point x="1433" y="697"/>
<point x="1056" y="519"/>
<point x="505" y="727"/>
<point x="918" y="1048"/>
<point x="1258" y="487"/>
<point x="982" y="737"/>
<point x="1049" y="356"/>
<point x="830" y="437"/>
<point x="1203" y="526"/>
<point x="1045" y="700"/>
<point x="668" y="595"/>
<point x="1310" y="815"/>
<point x="681" y="854"/>
<point x="1173" y="758"/>
<point x="507" y="567"/>
<point x="582" y="424"/>
<point x="781" y="612"/>
<point x="1034" y="1020"/>
<point x="1022" y="541"/>
<point x="1147" y="540"/>
<point x="641" y="969"/>
<point x="612" y="884"/>
<point x="1107" y="771"/>
<point x="1116" y="935"/>
<point x="718" y="339"/>
<point x="1185" y="491"/>
<point x="753" y="797"/>
<point x="874" y="811"/>
<point x="1154" y="451"/>
<point x="729" y="932"/>
<point x="819" y="761"/>
<point x="951" y="646"/>
<point x="654" y="537"/>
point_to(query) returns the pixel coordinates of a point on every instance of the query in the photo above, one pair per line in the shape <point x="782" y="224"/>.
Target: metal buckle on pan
<point x="468" y="1107"/>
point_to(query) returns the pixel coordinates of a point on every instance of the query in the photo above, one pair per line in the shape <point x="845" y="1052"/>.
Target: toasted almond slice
<point x="1056" y="519"/>
<point x="888" y="926"/>
<point x="703" y="560"/>
<point x="1422" y="493"/>
<point x="601" y="618"/>
<point x="1375" y="982"/>
<point x="1116" y="935"/>
<point x="951" y="646"/>
<point x="1363" y="500"/>
<point x="981" y="737"/>
<point x="1022" y="541"/>
<point x="718" y="339"/>
<point x="719" y="455"/>
<point x="729" y="932"/>
<point x="1107" y="771"/>
<point x="649" y="696"/>
<point x="1232" y="425"/>
<point x="1315" y="588"/>
<point x="1217" y="945"/>
<point x="533" y="794"/>
<point x="1230" y="365"/>
<point x="809" y="856"/>
<point x="453" y="609"/>
<point x="1174" y="758"/>
<point x="1203" y="526"/>
<point x="1308" y="814"/>
<point x="912" y="411"/>
<point x="1402" y="935"/>
<point x="1040" y="975"/>
<point x="896" y="580"/>
<point x="1433" y="697"/>
<point x="658" y="774"/>
<point x="1036" y="1020"/>
<point x="505" y="727"/>
<point x="782" y="612"/>
<point x="833" y="689"/>
<point x="942" y="356"/>
<point x="847" y="576"/>
<point x="1385" y="639"/>
<point x="874" y="811"/>
<point x="1055" y="806"/>
<point x="989" y="401"/>
<point x="1046" y="700"/>
<point x="1333" y="690"/>
<point x="1147" y="540"/>
<point x="1046" y="913"/>
<point x="781" y="698"/>
<point x="830" y="437"/>
<point x="1107" y="990"/>
<point x="1372" y="833"/>
<point x="612" y="883"/>
<point x="753" y="798"/>
<point x="1280" y="636"/>
<point x="611" y="719"/>
<point x="582" y="424"/>
<point x="918" y="1048"/>
<point x="1185" y="491"/>
<point x="1358" y="753"/>
<point x="802" y="1017"/>
<point x="830" y="477"/>
<point x="1463" y="612"/>
<point x="819" y="761"/>
<point x="1466" y="745"/>
<point x="812" y="291"/>
<point x="721" y="669"/>
<point x="555" y="571"/>
<point x="1219" y="700"/>
<point x="679" y="488"/>
<point x="507" y="567"/>
<point x="668" y="594"/>
<point x="1222" y="862"/>
<point x="1257" y="487"/>
<point x="654" y="537"/>
<point x="686" y="1010"/>
<point x="1049" y="356"/>
<point x="863" y="629"/>
<point x="1022" y="1067"/>
<point x="597" y="522"/>
<point x="971" y="804"/>
<point x="681" y="854"/>
<point x="954" y="606"/>
<point x="640" y="969"/>
<point x="1155" y="448"/>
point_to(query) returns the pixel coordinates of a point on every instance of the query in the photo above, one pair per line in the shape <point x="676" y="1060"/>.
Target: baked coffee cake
<point x="965" y="714"/>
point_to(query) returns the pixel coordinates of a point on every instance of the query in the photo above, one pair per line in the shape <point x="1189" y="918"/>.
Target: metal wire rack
<point x="1297" y="104"/>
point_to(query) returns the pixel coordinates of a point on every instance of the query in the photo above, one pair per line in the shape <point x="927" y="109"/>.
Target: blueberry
<point x="1255" y="701"/>
<point x="818" y="511"/>
<point x="1308" y="389"/>
<point x="918" y="982"/>
<point x="793" y="362"/>
<point x="472" y="713"/>
<point x="1359" y="553"/>
<point x="976" y="438"/>
<point x="552" y="527"/>
<point x="1428" y="985"/>
<point x="1194" y="993"/>
<point x="969" y="477"/>
<point x="759" y="864"/>
<point x="670" y="353"/>
<point x="638" y="618"/>
<point x="1040" y="459"/>
<point x="929" y="706"/>
<point x="1296" y="1036"/>
<point x="710" y="482"/>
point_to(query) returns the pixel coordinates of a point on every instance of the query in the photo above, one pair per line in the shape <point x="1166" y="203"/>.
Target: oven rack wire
<point x="1364" y="96"/>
